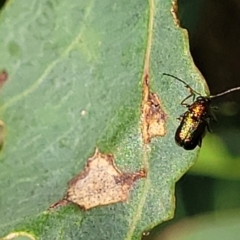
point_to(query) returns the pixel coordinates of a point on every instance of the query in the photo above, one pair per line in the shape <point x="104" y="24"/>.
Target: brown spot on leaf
<point x="100" y="183"/>
<point x="2" y="134"/>
<point x="153" y="116"/>
<point x="3" y="77"/>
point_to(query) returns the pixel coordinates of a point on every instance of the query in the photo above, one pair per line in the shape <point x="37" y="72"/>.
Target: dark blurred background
<point x="2" y="2"/>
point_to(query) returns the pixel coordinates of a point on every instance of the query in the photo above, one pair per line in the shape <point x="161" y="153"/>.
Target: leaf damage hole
<point x="153" y="115"/>
<point x="100" y="183"/>
<point x="16" y="235"/>
<point x="174" y="11"/>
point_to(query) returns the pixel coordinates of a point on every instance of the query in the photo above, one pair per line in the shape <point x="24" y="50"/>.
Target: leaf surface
<point x="75" y="83"/>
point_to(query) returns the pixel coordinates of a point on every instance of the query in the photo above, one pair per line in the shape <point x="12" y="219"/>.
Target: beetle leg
<point x="200" y="142"/>
<point x="209" y="127"/>
<point x="192" y="94"/>
<point x="212" y="115"/>
<point x="183" y="101"/>
<point x="214" y="108"/>
<point x="180" y="117"/>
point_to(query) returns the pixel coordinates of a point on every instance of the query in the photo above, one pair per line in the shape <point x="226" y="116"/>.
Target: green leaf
<point x="75" y="83"/>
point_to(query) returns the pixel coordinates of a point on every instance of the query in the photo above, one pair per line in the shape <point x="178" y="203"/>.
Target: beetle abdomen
<point x="190" y="132"/>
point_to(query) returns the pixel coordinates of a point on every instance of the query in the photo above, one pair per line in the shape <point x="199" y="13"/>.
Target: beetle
<point x="196" y="120"/>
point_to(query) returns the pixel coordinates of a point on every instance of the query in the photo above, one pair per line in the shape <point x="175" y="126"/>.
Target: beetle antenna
<point x="180" y="80"/>
<point x="225" y="92"/>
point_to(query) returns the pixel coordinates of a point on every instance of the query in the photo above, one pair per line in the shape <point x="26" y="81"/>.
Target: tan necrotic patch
<point x="100" y="183"/>
<point x="153" y="116"/>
